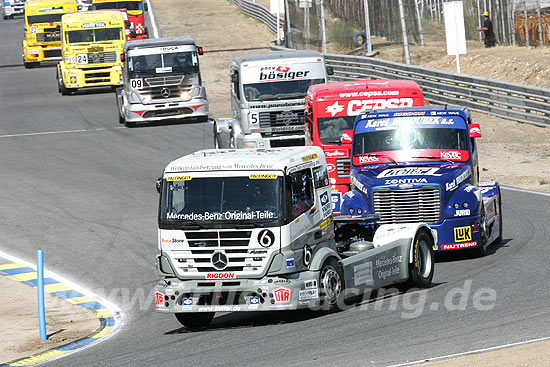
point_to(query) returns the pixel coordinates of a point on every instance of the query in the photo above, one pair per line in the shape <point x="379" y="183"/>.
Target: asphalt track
<point x="82" y="188"/>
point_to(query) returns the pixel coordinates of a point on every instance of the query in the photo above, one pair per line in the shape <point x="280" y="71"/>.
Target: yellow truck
<point x="92" y="46"/>
<point x="42" y="40"/>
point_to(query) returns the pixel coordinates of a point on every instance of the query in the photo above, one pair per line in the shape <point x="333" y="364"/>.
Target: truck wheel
<point x="421" y="270"/>
<point x="481" y="250"/>
<point x="195" y="319"/>
<point x="61" y="86"/>
<point x="331" y="285"/>
<point x="6" y="17"/>
<point x="499" y="238"/>
<point x="29" y="65"/>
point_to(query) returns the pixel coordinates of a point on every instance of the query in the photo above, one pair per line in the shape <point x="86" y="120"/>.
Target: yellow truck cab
<point x="92" y="45"/>
<point x="42" y="40"/>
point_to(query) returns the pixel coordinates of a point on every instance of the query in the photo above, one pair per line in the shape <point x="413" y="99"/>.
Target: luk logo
<point x="463" y="234"/>
<point x="281" y="295"/>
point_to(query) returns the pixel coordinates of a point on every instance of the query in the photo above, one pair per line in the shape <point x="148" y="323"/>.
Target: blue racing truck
<point x="420" y="164"/>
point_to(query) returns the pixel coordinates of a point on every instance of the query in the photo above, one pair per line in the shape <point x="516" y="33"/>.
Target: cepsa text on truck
<point x="162" y="80"/>
<point x="420" y="164"/>
<point x="43" y="29"/>
<point x="267" y="99"/>
<point x="136" y="14"/>
<point x="330" y="112"/>
<point x="252" y="230"/>
<point x="92" y="48"/>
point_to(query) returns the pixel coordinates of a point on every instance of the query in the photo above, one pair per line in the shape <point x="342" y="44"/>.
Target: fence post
<point x="367" y="25"/>
<point x="526" y="25"/>
<point x="404" y="30"/>
<point x="40" y="287"/>
<point x="540" y="24"/>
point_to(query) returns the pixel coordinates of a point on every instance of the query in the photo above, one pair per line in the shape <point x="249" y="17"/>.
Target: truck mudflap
<point x="296" y="291"/>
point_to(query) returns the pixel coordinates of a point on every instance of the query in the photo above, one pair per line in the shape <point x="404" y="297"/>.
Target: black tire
<point x="30" y="65"/>
<point x="359" y="39"/>
<point x="421" y="269"/>
<point x="61" y="86"/>
<point x="215" y="132"/>
<point x="6" y="17"/>
<point x="331" y="285"/>
<point x="195" y="319"/>
<point x="499" y="238"/>
<point x="481" y="250"/>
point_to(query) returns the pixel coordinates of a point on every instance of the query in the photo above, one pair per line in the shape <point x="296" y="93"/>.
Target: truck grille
<point x="48" y="37"/>
<point x="52" y="53"/>
<point x="343" y="166"/>
<point x="102" y="58"/>
<point x="282" y="119"/>
<point x="235" y="244"/>
<point x="407" y="206"/>
<point x="162" y="89"/>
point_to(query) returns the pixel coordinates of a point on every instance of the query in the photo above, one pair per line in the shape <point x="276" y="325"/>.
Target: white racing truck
<point x="252" y="230"/>
<point x="267" y="99"/>
<point x="162" y="81"/>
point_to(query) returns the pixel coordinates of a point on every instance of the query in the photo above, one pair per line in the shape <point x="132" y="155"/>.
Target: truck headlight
<point x="185" y="96"/>
<point x="134" y="98"/>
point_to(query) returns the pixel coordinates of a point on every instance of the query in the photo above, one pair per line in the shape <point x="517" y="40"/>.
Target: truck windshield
<point x="94" y="35"/>
<point x="409" y="139"/>
<point x="163" y="63"/>
<point x="331" y="128"/>
<point x="215" y="200"/>
<point x="278" y="90"/>
<point x="128" y="5"/>
<point x="46" y="18"/>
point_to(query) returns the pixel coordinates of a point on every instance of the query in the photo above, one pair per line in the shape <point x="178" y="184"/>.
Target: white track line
<point x="449" y="356"/>
<point x="118" y="314"/>
<point x="152" y="17"/>
<point x="526" y="191"/>
<point x="58" y="132"/>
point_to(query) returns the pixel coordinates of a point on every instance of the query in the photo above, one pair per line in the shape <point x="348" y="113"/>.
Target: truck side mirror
<point x="145" y="7"/>
<point x="475" y="131"/>
<point x="347" y="136"/>
<point x="158" y="184"/>
<point x="199" y="50"/>
<point x="133" y="34"/>
<point x="330" y="70"/>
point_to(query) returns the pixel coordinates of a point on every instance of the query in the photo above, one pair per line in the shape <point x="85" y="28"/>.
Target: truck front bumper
<point x="458" y="233"/>
<point x="297" y="291"/>
<point x="195" y="108"/>
<point x="96" y="77"/>
<point x="38" y="53"/>
<point x="12" y="10"/>
<point x="256" y="140"/>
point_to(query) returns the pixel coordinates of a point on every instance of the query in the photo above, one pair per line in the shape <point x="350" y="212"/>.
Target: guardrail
<point x="259" y="12"/>
<point x="514" y="101"/>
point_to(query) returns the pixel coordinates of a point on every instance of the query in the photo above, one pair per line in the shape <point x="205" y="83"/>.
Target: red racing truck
<point x="331" y="109"/>
<point x="135" y="12"/>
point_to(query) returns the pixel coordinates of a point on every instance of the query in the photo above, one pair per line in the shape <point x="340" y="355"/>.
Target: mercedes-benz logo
<point x="165" y="92"/>
<point x="219" y="260"/>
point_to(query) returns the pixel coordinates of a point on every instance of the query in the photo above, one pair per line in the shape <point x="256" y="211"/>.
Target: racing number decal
<point x="136" y="83"/>
<point x="254" y="118"/>
<point x="266" y="238"/>
<point x="463" y="234"/>
<point x="307" y="255"/>
<point x="82" y="59"/>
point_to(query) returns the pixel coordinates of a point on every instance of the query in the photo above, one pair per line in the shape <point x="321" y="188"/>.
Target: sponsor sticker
<point x="324" y="224"/>
<point x="462" y="212"/>
<point x="281" y="295"/>
<point x="309" y="157"/>
<point x="179" y="178"/>
<point x="159" y="299"/>
<point x="220" y="276"/>
<point x="219" y="308"/>
<point x="458" y="246"/>
<point x="363" y="273"/>
<point x="169" y="292"/>
<point x="463" y="234"/>
<point x="93" y="25"/>
<point x="187" y="303"/>
<point x="290" y="264"/>
<point x="253" y="303"/>
<point x="308" y="294"/>
<point x="265" y="176"/>
<point x="309" y="284"/>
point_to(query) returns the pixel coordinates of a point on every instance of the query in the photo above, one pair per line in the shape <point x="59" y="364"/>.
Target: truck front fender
<point x="320" y="256"/>
<point x="387" y="233"/>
